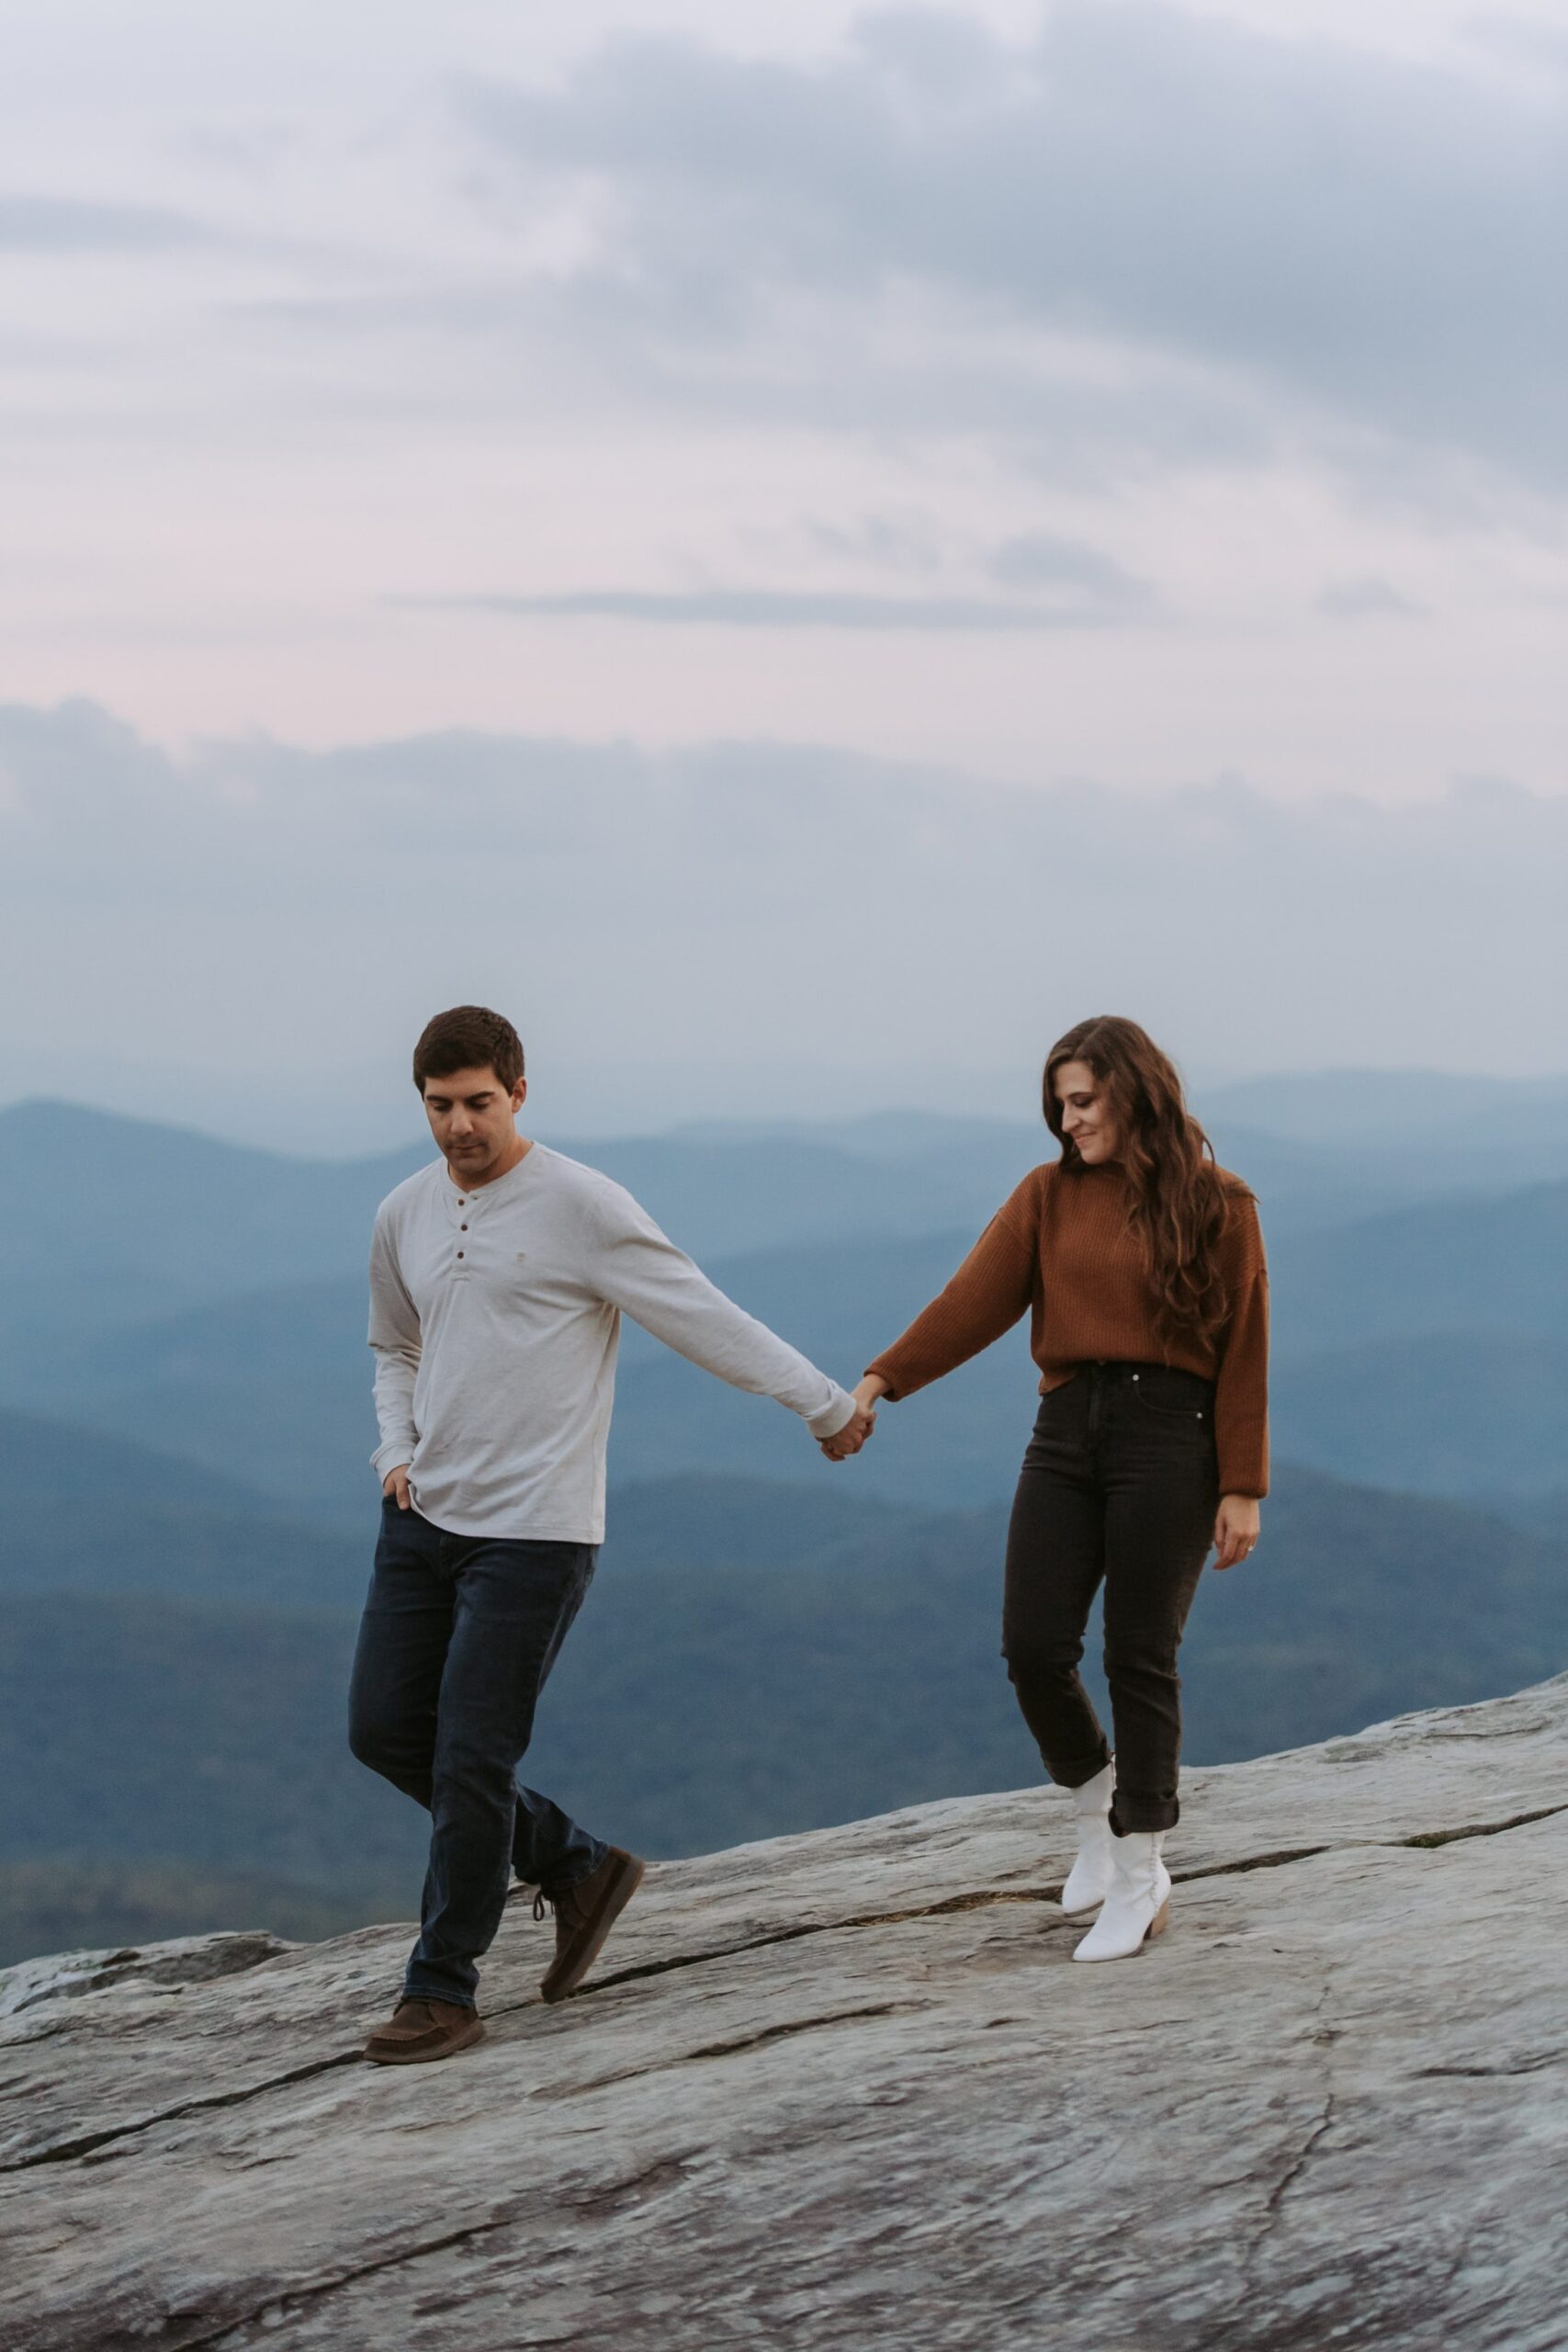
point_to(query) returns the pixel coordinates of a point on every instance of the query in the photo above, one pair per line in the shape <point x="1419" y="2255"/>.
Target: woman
<point x="1142" y="1265"/>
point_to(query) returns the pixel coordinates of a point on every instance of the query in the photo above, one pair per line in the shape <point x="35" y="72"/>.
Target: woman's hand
<point x="850" y="1438"/>
<point x="853" y="1435"/>
<point x="1235" y="1528"/>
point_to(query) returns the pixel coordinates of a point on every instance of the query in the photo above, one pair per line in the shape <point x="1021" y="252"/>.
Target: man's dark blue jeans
<point x="458" y="1634"/>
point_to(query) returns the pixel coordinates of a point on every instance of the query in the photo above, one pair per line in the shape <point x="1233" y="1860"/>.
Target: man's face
<point x="472" y="1117"/>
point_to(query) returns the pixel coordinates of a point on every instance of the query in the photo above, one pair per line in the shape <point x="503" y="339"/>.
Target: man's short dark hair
<point x="468" y="1037"/>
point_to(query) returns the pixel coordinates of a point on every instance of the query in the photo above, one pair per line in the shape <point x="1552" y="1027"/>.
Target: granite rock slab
<point x="846" y="2090"/>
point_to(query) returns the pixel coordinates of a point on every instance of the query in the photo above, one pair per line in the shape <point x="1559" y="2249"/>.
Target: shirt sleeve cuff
<point x="840" y="1408"/>
<point x="391" y="1455"/>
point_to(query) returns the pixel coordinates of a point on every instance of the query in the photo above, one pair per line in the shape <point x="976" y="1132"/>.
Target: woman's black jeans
<point x="1119" y="1485"/>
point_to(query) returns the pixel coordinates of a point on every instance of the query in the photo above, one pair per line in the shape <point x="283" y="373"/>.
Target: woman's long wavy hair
<point x="1177" y="1205"/>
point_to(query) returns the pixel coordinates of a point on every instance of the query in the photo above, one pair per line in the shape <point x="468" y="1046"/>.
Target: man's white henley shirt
<point x="495" y="1316"/>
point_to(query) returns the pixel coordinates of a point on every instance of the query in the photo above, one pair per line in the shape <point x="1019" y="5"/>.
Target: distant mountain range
<point x="773" y="1642"/>
<point x="106" y="1221"/>
<point x="1421" y="1349"/>
<point x="1438" y="1113"/>
<point x="89" y="1514"/>
<point x="64" y="1903"/>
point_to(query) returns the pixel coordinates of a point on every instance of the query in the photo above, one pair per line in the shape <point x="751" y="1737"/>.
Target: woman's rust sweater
<point x="1061" y="1248"/>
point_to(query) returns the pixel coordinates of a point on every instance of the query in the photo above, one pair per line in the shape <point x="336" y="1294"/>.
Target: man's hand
<point x="853" y="1435"/>
<point x="396" y="1482"/>
<point x="1235" y="1528"/>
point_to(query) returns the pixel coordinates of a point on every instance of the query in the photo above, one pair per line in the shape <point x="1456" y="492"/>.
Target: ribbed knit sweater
<point x="1060" y="1249"/>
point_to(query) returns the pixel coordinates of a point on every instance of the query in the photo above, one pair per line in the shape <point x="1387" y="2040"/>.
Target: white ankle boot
<point x="1090" y="1878"/>
<point x="1137" y="1902"/>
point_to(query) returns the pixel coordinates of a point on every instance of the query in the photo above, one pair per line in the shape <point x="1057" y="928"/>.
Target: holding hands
<point x="853" y="1435"/>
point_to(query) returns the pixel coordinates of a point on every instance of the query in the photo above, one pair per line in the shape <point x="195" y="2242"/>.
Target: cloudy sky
<point x="1080" y="433"/>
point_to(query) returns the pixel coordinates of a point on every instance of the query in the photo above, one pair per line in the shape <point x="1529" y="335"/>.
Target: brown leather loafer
<point x="420" y="2031"/>
<point x="584" y="1915"/>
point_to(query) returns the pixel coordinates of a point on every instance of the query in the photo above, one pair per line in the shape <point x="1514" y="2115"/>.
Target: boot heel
<point x="1136" y="1909"/>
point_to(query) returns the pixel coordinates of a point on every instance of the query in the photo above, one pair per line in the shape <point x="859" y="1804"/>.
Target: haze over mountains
<point x="185" y="1423"/>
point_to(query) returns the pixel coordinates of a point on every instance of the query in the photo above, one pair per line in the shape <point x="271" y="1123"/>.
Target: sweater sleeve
<point x="639" y="1270"/>
<point x="1241" y="1385"/>
<point x="394" y="1341"/>
<point x="992" y="1288"/>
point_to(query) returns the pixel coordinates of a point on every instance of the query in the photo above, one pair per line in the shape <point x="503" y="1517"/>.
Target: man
<point x="498" y="1278"/>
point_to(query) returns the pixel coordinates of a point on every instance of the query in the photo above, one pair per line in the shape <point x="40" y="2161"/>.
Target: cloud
<point x="907" y="365"/>
<point x="889" y="542"/>
<point x="1367" y="597"/>
<point x="1525" y="40"/>
<point x="740" y="923"/>
<point x="53" y="224"/>
<point x="1036" y="560"/>
<point x="1361" y="245"/>
<point x="785" y="608"/>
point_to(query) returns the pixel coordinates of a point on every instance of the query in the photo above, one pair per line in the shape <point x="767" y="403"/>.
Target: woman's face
<point x="1087" y="1116"/>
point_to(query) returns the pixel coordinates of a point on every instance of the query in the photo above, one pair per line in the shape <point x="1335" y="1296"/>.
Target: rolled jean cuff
<point x="1078" y="1775"/>
<point x="1071" y="1772"/>
<point x="561" y="1886"/>
<point x="419" y="1986"/>
<point x="1141" y="1814"/>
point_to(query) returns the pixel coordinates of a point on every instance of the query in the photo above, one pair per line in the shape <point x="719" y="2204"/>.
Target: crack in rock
<point x="711" y="2050"/>
<point x="86" y="2145"/>
<point x="1279" y="1859"/>
<point x="89" y="2143"/>
<point x="296" y="2299"/>
<point x="1293" y="2171"/>
<point x="667" y="2172"/>
<point x="1319" y="2037"/>
<point x="1432" y="1837"/>
<point x="1536" y="2065"/>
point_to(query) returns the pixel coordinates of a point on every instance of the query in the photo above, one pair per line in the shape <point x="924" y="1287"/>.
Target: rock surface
<point x="845" y="2091"/>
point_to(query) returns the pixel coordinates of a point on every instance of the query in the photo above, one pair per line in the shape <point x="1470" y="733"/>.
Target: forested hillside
<point x="752" y="1658"/>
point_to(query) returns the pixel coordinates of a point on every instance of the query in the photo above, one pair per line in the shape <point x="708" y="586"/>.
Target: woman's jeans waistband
<point x="1115" y="1370"/>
